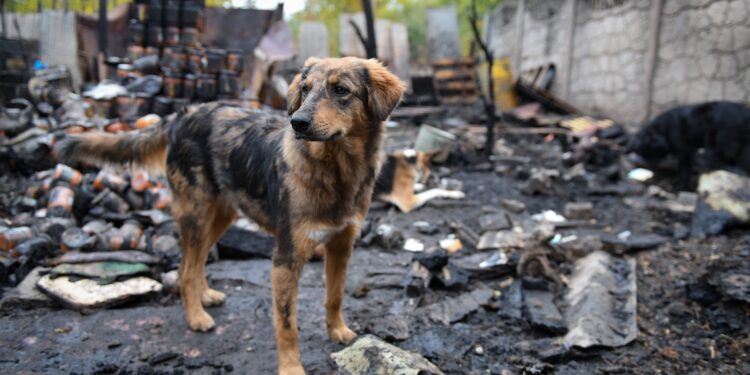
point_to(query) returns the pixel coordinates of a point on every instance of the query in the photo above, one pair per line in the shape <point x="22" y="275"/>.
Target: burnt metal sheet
<point x="601" y="300"/>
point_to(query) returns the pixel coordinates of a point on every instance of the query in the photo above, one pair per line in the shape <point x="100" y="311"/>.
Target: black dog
<point x="722" y="129"/>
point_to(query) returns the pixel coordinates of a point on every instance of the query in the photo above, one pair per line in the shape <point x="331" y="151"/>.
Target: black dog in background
<point x="721" y="129"/>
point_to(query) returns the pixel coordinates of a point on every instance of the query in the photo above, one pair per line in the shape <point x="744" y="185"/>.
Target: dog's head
<point x="336" y="97"/>
<point x="648" y="146"/>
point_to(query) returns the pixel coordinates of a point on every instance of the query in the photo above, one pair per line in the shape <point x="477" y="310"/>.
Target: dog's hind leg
<point x="222" y="219"/>
<point x="202" y="219"/>
<point x="338" y="250"/>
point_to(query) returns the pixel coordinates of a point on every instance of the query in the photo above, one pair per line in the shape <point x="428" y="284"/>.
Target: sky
<point x="290" y="6"/>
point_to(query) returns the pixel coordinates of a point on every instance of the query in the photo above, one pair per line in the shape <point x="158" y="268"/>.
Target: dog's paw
<point x="341" y="334"/>
<point x="201" y="322"/>
<point x="291" y="370"/>
<point x="211" y="297"/>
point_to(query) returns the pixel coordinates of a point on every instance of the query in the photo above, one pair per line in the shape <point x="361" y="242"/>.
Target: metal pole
<point x="103" y="27"/>
<point x="2" y="15"/>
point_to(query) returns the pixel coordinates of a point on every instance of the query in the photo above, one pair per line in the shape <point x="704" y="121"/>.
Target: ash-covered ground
<point x="687" y="322"/>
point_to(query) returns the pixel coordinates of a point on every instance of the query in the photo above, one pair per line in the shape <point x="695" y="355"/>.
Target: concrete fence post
<point x="652" y="55"/>
<point x="571" y="35"/>
<point x="518" y="56"/>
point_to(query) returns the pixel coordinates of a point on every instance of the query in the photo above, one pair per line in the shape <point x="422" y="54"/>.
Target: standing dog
<point x="722" y="129"/>
<point x="309" y="183"/>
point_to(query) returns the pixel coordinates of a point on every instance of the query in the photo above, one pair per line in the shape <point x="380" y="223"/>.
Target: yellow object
<point x="505" y="96"/>
<point x="586" y="123"/>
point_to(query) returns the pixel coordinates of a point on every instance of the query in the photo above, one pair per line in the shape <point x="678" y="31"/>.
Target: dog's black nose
<point x="301" y="123"/>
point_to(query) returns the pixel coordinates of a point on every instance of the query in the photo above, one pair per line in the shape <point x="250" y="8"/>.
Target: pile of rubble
<point x="541" y="240"/>
<point x="99" y="232"/>
<point x="570" y="275"/>
<point x="96" y="238"/>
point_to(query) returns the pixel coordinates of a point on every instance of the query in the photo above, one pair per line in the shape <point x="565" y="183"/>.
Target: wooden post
<point x="2" y="15"/>
<point x="102" y="37"/>
<point x="102" y="30"/>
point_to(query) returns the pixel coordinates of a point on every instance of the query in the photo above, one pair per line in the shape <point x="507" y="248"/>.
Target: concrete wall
<point x="609" y="62"/>
<point x="392" y="40"/>
<point x="704" y="52"/>
<point x="630" y="59"/>
<point x="312" y="41"/>
<point x="545" y="36"/>
<point x="442" y="33"/>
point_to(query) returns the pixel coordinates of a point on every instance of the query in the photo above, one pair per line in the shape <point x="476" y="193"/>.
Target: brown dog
<point x="309" y="183"/>
<point x="402" y="172"/>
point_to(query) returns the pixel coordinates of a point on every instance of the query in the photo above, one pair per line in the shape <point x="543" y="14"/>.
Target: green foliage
<point x="228" y="3"/>
<point x="86" y="6"/>
<point x="83" y="6"/>
<point x="410" y="12"/>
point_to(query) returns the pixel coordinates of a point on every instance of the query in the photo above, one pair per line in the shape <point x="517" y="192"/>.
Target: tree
<point x="369" y="42"/>
<point x="489" y="100"/>
<point x="410" y="12"/>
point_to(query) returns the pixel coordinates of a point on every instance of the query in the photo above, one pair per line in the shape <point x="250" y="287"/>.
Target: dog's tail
<point x="145" y="148"/>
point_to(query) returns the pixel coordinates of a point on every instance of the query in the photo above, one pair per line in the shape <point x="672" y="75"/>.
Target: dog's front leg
<point x="338" y="250"/>
<point x="686" y="161"/>
<point x="288" y="259"/>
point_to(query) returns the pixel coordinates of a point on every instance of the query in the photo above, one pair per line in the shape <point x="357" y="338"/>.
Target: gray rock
<point x="737" y="286"/>
<point x="454" y="309"/>
<point x="494" y="221"/>
<point x="392" y="327"/>
<point x="541" y="311"/>
<point x="579" y="210"/>
<point x="633" y="242"/>
<point x="723" y="203"/>
<point x="87" y="294"/>
<point x="511" y="301"/>
<point x="26" y="295"/>
<point x="540" y="182"/>
<point x="513" y="205"/>
<point x="371" y="355"/>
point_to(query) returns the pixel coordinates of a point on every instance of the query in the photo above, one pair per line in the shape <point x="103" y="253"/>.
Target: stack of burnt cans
<point x="159" y="24"/>
<point x="170" y="29"/>
<point x="65" y="210"/>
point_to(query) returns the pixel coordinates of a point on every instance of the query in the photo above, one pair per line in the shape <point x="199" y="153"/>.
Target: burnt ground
<point x="685" y="326"/>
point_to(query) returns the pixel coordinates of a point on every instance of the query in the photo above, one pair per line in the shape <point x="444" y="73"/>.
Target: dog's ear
<point x="294" y="96"/>
<point x="384" y="89"/>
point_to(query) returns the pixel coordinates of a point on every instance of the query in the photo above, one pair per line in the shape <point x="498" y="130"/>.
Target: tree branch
<point x="475" y="30"/>
<point x="488" y="100"/>
<point x="372" y="46"/>
<point x="359" y="33"/>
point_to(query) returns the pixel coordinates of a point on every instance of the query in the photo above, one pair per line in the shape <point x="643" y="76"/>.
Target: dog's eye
<point x="305" y="89"/>
<point x="340" y="90"/>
